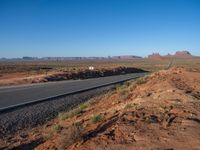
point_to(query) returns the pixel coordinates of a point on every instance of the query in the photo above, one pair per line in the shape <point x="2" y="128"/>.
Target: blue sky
<point x="98" y="27"/>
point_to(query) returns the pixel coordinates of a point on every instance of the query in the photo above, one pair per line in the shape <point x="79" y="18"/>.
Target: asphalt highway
<point x="12" y="96"/>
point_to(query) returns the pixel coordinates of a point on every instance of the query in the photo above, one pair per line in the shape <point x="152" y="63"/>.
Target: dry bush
<point x="64" y="115"/>
<point x="97" y="118"/>
<point x="71" y="135"/>
<point x="56" y="128"/>
<point x="141" y="80"/>
<point x="130" y="106"/>
<point x="123" y="94"/>
<point x="132" y="86"/>
<point x="128" y="83"/>
<point x="48" y="136"/>
<point x="83" y="106"/>
<point x="74" y="112"/>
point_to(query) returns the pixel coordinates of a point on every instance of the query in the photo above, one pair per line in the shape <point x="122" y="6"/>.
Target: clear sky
<point x="98" y="27"/>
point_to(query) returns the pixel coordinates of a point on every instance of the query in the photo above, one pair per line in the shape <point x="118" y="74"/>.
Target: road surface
<point x="24" y="94"/>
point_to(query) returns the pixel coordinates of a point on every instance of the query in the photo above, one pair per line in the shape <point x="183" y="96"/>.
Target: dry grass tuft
<point x="97" y="118"/>
<point x="142" y="80"/>
<point x="131" y="106"/>
<point x="71" y="135"/>
<point x="56" y="128"/>
<point x="123" y="94"/>
<point x="80" y="109"/>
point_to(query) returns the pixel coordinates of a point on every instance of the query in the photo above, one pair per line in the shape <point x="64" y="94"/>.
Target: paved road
<point x="17" y="95"/>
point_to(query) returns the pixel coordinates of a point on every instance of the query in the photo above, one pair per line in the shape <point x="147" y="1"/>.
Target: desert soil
<point x="159" y="112"/>
<point x="18" y="78"/>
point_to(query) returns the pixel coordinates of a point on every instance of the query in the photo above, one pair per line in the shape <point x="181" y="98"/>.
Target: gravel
<point x="33" y="115"/>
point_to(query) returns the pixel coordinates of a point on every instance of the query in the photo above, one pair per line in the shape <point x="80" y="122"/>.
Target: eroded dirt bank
<point x="161" y="111"/>
<point x="21" y="78"/>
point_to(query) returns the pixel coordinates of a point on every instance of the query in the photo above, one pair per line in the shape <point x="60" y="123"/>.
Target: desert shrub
<point x="123" y="94"/>
<point x="64" y="115"/>
<point x="97" y="118"/>
<point x="77" y="111"/>
<point x="128" y="83"/>
<point x="141" y="80"/>
<point x="114" y="111"/>
<point x="119" y="87"/>
<point x="56" y="128"/>
<point x="132" y="87"/>
<point x="80" y="108"/>
<point x="74" y="112"/>
<point x="48" y="136"/>
<point x="129" y="106"/>
<point x="83" y="106"/>
<point x="71" y="135"/>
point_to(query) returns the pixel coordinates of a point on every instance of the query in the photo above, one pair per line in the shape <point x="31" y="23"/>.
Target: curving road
<point x="19" y="95"/>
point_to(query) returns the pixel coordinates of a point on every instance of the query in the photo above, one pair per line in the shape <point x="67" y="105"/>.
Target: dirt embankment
<point x="21" y="78"/>
<point x="161" y="111"/>
<point x="92" y="73"/>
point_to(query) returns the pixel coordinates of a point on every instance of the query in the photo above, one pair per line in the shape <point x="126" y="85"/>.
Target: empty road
<point x="23" y="94"/>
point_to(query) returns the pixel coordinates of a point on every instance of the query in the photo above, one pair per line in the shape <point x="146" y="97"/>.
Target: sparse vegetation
<point x="132" y="86"/>
<point x="48" y="136"/>
<point x="114" y="111"/>
<point x="97" y="118"/>
<point x="131" y="105"/>
<point x="56" y="128"/>
<point x="141" y="80"/>
<point x="83" y="106"/>
<point x="64" y="115"/>
<point x="26" y="69"/>
<point x="70" y="135"/>
<point x="118" y="87"/>
<point x="74" y="112"/>
<point x="110" y="119"/>
<point x="92" y="101"/>
<point x="124" y="90"/>
<point x="123" y="94"/>
<point x="128" y="83"/>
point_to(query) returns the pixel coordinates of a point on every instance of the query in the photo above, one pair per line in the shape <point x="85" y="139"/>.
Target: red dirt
<point x="160" y="112"/>
<point x="25" y="78"/>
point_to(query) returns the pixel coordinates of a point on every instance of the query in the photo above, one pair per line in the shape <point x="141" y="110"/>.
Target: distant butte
<point x="178" y="54"/>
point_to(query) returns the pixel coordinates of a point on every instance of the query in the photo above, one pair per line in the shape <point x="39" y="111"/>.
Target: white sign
<point x="91" y="68"/>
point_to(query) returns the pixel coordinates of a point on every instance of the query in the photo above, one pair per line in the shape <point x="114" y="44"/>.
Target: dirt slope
<point x="161" y="112"/>
<point x="25" y="78"/>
